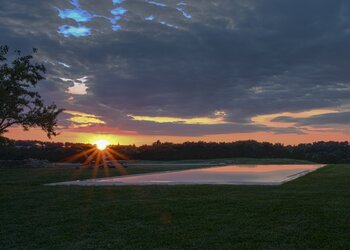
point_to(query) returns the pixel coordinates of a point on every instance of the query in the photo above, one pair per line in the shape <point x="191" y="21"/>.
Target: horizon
<point x="136" y="72"/>
<point x="111" y="143"/>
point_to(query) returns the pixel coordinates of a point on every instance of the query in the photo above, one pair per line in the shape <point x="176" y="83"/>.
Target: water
<point x="228" y="175"/>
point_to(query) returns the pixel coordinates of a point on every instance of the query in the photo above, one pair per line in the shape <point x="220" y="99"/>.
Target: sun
<point x="102" y="144"/>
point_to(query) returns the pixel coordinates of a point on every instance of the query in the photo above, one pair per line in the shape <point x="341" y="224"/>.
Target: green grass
<point x="312" y="212"/>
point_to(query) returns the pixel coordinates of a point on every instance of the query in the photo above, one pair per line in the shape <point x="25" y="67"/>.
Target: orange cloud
<point x="267" y="120"/>
<point x="194" y="120"/>
<point x="100" y="129"/>
<point x="81" y="119"/>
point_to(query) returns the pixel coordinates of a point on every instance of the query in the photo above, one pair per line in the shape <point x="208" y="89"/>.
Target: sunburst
<point x="102" y="144"/>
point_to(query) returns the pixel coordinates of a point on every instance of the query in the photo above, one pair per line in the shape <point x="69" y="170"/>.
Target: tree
<point x="5" y="142"/>
<point x="20" y="105"/>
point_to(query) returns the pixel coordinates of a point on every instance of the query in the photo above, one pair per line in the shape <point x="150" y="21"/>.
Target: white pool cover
<point x="227" y="175"/>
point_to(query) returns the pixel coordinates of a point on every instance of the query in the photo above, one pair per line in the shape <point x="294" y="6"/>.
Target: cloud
<point x="86" y="14"/>
<point x="335" y="121"/>
<point x="179" y="120"/>
<point x="79" y="85"/>
<point x="288" y="119"/>
<point x="250" y="59"/>
<point x="100" y="129"/>
<point x="81" y="119"/>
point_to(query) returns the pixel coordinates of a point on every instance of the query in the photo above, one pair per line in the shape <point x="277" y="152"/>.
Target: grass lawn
<point x="310" y="212"/>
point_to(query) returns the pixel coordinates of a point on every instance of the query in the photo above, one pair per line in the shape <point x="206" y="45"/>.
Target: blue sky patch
<point x="150" y="18"/>
<point x="77" y="15"/>
<point x="119" y="11"/>
<point x="80" y="15"/>
<point x="68" y="31"/>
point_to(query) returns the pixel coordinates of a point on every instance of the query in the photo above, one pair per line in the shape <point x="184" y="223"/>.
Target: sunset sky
<point x="135" y="71"/>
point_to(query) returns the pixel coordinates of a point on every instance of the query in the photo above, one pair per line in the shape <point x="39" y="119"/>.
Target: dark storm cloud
<point x="341" y="118"/>
<point x="243" y="57"/>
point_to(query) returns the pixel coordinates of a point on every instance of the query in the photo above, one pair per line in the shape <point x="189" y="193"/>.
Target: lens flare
<point x="102" y="144"/>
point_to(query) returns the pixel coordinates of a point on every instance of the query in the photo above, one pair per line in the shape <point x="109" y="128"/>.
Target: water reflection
<point x="228" y="175"/>
<point x="258" y="168"/>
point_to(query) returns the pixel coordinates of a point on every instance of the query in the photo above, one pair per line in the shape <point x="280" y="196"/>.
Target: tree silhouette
<point x="20" y="105"/>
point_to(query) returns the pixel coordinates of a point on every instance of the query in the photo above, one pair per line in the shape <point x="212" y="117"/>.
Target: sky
<point x="135" y="71"/>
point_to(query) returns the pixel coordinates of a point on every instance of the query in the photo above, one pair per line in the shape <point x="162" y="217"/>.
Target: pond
<point x="221" y="175"/>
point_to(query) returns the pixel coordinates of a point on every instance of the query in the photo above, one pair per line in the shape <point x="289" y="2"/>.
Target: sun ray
<point x="101" y="156"/>
<point x="122" y="156"/>
<point x="121" y="169"/>
<point x="105" y="165"/>
<point x="89" y="158"/>
<point x="78" y="155"/>
<point x="96" y="167"/>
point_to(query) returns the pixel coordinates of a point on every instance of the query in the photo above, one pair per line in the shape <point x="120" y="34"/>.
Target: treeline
<point x="320" y="152"/>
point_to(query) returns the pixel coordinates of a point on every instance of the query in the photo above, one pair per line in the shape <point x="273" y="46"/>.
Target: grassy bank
<point x="311" y="212"/>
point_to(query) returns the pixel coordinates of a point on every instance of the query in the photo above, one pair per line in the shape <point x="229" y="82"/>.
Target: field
<point x="310" y="212"/>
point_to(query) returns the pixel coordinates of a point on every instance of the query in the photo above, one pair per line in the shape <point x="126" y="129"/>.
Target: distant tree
<point x="20" y="105"/>
<point x="5" y="142"/>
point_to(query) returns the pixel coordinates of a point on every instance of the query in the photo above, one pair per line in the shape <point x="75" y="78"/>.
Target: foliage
<point x="5" y="142"/>
<point x="320" y="152"/>
<point x="20" y="105"/>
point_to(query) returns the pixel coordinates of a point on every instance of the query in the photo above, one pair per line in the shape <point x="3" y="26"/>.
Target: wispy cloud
<point x="179" y="120"/>
<point x="81" y="119"/>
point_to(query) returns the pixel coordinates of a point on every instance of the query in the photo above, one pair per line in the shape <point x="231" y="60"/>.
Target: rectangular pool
<point x="223" y="175"/>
